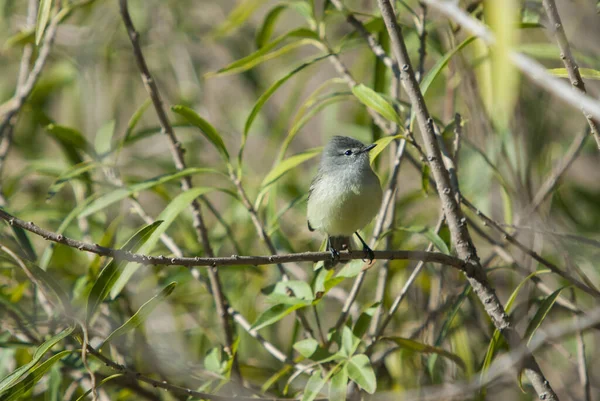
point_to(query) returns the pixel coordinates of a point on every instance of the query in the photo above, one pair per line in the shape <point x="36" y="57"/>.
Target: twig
<point x="234" y="260"/>
<point x="528" y="66"/>
<point x="186" y="182"/>
<point x="569" y="60"/>
<point x="456" y="222"/>
<point x="510" y="238"/>
<point x="402" y="294"/>
<point x="572" y="237"/>
<point x="167" y="386"/>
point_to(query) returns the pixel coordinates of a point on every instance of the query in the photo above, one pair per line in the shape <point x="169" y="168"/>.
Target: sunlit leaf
<point x="268" y="26"/>
<point x="288" y="164"/>
<point x="237" y="17"/>
<point x="42" y="19"/>
<point x="375" y="101"/>
<point x="382" y="144"/>
<point x="586" y="73"/>
<point x="275" y="314"/>
<point x="338" y="385"/>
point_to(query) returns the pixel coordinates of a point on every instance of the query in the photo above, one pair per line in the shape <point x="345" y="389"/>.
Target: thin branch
<point x="456" y="222"/>
<point x="568" y="60"/>
<point x="186" y="182"/>
<point x="536" y="72"/>
<point x="167" y="386"/>
<point x="234" y="260"/>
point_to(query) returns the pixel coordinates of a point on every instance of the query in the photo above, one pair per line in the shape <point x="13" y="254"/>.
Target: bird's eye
<point x="348" y="152"/>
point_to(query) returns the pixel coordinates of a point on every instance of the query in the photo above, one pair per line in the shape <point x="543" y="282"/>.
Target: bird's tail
<point x="337" y="244"/>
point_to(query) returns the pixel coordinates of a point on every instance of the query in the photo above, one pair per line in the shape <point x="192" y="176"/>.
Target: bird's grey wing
<point x="310" y="191"/>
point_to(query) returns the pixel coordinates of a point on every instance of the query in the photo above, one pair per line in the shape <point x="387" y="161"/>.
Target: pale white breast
<point x="341" y="206"/>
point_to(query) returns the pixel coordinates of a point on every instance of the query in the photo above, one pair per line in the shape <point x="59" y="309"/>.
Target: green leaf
<point x="23" y="240"/>
<point x="497" y="339"/>
<point x="102" y="142"/>
<point x="142" y="313"/>
<point x="69" y="174"/>
<point x="98" y="385"/>
<point x="425" y="170"/>
<point x="338" y="385"/>
<point x="111" y="272"/>
<point x="350" y="342"/>
<point x="586" y="73"/>
<point x="21" y="38"/>
<point x="33" y="377"/>
<point x="360" y="371"/>
<point x="71" y="138"/>
<point x="47" y="255"/>
<point x="382" y="144"/>
<point x="135" y="119"/>
<point x="541" y="314"/>
<point x="237" y="17"/>
<point x="208" y="130"/>
<point x="364" y="320"/>
<point x="42" y="19"/>
<point x="302" y="36"/>
<point x="313" y="386"/>
<point x="288" y="164"/>
<point x="268" y="25"/>
<point x="307" y="347"/>
<point x="122" y="193"/>
<point x="265" y="96"/>
<point x="435" y="71"/>
<point x="12" y="378"/>
<point x="427" y="349"/>
<point x="274" y="314"/>
<point x="375" y="101"/>
<point x="167" y="216"/>
<point x="430" y="234"/>
<point x="309" y="109"/>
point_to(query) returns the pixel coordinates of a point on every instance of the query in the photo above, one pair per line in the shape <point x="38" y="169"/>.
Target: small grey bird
<point x="344" y="196"/>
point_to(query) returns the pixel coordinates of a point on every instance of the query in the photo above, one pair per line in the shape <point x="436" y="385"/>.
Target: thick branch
<point x="454" y="217"/>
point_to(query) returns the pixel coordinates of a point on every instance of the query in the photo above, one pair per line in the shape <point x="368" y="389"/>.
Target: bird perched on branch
<point x="344" y="196"/>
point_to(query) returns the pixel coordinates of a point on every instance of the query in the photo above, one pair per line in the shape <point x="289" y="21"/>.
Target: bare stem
<point x="186" y="182"/>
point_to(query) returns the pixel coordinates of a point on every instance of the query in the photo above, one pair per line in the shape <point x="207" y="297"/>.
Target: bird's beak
<point x="368" y="148"/>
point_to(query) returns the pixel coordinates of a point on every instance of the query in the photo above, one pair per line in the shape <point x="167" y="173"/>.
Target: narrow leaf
<point x="122" y="193"/>
<point x="142" y="313"/>
<point x="168" y="215"/>
<point x="71" y="137"/>
<point x="541" y="314"/>
<point x="42" y="19"/>
<point x="427" y="349"/>
<point x="268" y="25"/>
<point x="268" y="93"/>
<point x="9" y="380"/>
<point x="69" y="174"/>
<point x="205" y="127"/>
<point x="109" y="275"/>
<point x="288" y="164"/>
<point x="274" y="314"/>
<point x="103" y="140"/>
<point x="586" y="73"/>
<point x="33" y="377"/>
<point x="382" y="144"/>
<point x="375" y="101"/>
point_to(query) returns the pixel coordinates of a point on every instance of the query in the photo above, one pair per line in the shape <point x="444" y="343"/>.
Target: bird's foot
<point x="369" y="254"/>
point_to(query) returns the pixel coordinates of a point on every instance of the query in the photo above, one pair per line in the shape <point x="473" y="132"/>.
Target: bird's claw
<point x="369" y="254"/>
<point x="335" y="254"/>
